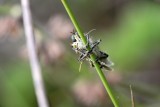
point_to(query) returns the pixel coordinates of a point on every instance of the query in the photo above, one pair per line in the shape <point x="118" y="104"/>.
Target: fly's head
<point x="76" y="41"/>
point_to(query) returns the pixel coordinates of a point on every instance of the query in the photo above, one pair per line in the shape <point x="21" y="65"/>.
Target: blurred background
<point x="130" y="33"/>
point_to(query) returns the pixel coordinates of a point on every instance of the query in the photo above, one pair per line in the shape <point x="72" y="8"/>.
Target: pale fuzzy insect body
<point x="79" y="47"/>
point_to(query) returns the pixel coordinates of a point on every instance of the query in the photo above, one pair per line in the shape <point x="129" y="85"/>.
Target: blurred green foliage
<point x="135" y="41"/>
<point x="17" y="89"/>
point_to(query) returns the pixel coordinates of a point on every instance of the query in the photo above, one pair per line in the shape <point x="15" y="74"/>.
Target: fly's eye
<point x="73" y="38"/>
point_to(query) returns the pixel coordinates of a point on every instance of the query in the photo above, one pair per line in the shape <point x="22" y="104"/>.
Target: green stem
<point x="98" y="69"/>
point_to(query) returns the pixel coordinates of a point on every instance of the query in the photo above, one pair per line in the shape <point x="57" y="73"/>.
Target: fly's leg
<point x="87" y="53"/>
<point x="87" y="36"/>
<point x="82" y="57"/>
<point x="90" y="62"/>
<point x="83" y="54"/>
<point x="97" y="59"/>
<point x="94" y="45"/>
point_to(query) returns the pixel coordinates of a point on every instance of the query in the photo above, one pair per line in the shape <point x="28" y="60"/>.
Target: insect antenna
<point x="73" y="32"/>
<point x="90" y="31"/>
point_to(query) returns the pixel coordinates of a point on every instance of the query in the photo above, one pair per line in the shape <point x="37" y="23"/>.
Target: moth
<point x="79" y="47"/>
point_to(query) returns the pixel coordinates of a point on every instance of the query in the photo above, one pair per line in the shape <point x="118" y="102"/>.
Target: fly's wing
<point x="107" y="64"/>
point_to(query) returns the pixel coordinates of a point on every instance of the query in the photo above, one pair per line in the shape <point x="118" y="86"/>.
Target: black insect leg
<point x="103" y="55"/>
<point x="91" y="50"/>
<point x="94" y="45"/>
<point x="87" y="53"/>
<point x="82" y="55"/>
<point x="97" y="58"/>
<point x="97" y="61"/>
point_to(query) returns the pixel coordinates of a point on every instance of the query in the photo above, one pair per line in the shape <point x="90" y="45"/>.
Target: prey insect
<point x="79" y="47"/>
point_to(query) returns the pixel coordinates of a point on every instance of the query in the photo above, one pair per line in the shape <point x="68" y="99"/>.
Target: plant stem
<point x="34" y="63"/>
<point x="98" y="69"/>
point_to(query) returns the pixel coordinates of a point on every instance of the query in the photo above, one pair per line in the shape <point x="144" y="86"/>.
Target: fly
<point x="79" y="47"/>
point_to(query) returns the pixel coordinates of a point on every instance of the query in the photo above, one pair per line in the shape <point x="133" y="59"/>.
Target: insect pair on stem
<point x="79" y="47"/>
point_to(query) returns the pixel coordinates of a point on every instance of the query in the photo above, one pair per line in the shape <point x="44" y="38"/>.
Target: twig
<point x="34" y="63"/>
<point x="132" y="97"/>
<point x="98" y="69"/>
